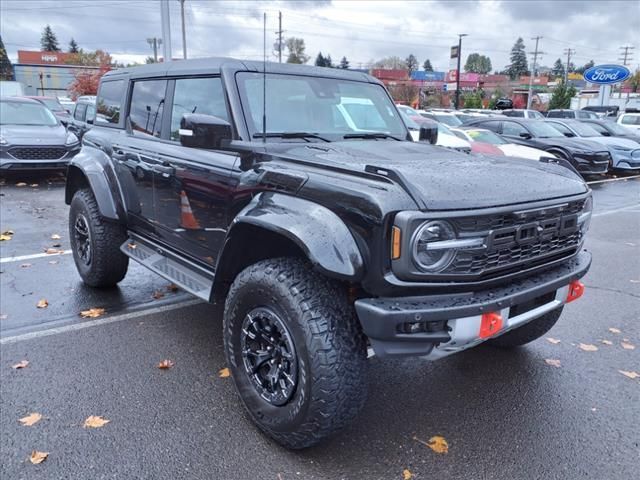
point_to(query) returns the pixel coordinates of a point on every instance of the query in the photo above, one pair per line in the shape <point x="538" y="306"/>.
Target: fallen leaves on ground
<point x="132" y="246"/>
<point x="55" y="236"/>
<point x="92" y="313"/>
<point x="30" y="419"/>
<point x="95" y="421"/>
<point x="42" y="303"/>
<point x="53" y="251"/>
<point x="21" y="364"/>
<point x="53" y="262"/>
<point x="21" y="184"/>
<point x="627" y="346"/>
<point x="553" y="362"/>
<point x="34" y="185"/>
<point x="224" y="373"/>
<point x="406" y="474"/>
<point x="158" y="294"/>
<point x="587" y="347"/>
<point x="555" y="341"/>
<point x="38" y="457"/>
<point x="437" y="443"/>
<point x="165" y="364"/>
<point x="614" y="330"/>
<point x="172" y="287"/>
<point x="6" y="235"/>
<point x="607" y="342"/>
<point x="631" y="375"/>
<point x="25" y="265"/>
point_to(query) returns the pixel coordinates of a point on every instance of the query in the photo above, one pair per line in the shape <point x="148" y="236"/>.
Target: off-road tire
<point x="329" y="343"/>
<point x="528" y="332"/>
<point x="107" y="264"/>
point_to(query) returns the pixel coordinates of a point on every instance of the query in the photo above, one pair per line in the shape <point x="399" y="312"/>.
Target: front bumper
<point x="592" y="163"/>
<point x="626" y="160"/>
<point x="451" y="323"/>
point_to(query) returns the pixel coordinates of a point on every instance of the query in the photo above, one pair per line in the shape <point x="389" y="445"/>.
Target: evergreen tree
<point x="320" y="61"/>
<point x="73" y="46"/>
<point x="427" y="66"/>
<point x="412" y="63"/>
<point x="6" y="69"/>
<point x="562" y="96"/>
<point x="518" y="64"/>
<point x="586" y="66"/>
<point x="48" y="40"/>
<point x="328" y="62"/>
<point x="558" y="68"/>
<point x="344" y="63"/>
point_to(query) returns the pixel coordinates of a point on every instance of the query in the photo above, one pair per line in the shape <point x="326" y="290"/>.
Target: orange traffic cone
<point x="187" y="219"/>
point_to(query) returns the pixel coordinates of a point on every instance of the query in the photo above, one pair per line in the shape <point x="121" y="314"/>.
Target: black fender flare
<point x="92" y="166"/>
<point x="323" y="237"/>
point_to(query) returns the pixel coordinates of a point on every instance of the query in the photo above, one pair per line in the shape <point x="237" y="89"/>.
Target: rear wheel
<point x="95" y="242"/>
<point x="528" y="332"/>
<point x="296" y="351"/>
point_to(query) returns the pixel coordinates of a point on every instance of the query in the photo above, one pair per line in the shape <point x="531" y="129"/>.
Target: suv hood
<point x="33" y="134"/>
<point x="445" y="180"/>
<point x="571" y="143"/>
<point x="614" y="141"/>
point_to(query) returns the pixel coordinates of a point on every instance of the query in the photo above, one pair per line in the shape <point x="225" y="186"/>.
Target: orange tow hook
<point x="576" y="290"/>
<point x="490" y="324"/>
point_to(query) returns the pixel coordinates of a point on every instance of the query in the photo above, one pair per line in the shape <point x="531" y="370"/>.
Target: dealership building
<point x="46" y="73"/>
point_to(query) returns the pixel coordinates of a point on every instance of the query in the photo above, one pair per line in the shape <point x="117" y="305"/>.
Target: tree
<point x="412" y="63"/>
<point x="477" y="63"/>
<point x="518" y="65"/>
<point x="427" y="66"/>
<point x="296" y="47"/>
<point x="86" y="82"/>
<point x="472" y="100"/>
<point x="634" y="81"/>
<point x="558" y="69"/>
<point x="404" y="93"/>
<point x="320" y="61"/>
<point x="149" y="60"/>
<point x="328" y="62"/>
<point x="562" y="96"/>
<point x="6" y="69"/>
<point x="73" y="46"/>
<point x="392" y="62"/>
<point x="89" y="59"/>
<point x="49" y="41"/>
<point x="344" y="63"/>
<point x="585" y="67"/>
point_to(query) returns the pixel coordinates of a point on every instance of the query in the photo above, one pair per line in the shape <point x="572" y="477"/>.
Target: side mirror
<point x="89" y="121"/>
<point x="198" y="130"/>
<point x="569" y="134"/>
<point x="428" y="133"/>
<point x="525" y="135"/>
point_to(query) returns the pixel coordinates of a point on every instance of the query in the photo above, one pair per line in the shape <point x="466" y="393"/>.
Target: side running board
<point x="184" y="274"/>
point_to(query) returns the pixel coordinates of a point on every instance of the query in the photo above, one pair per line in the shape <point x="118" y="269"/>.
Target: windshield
<point x="543" y="130"/>
<point x="485" y="136"/>
<point x="450" y="120"/>
<point x="411" y="124"/>
<point x="442" y="128"/>
<point x="327" y="107"/>
<point x="18" y="113"/>
<point x="52" y="104"/>
<point x="584" y="130"/>
<point x="408" y="110"/>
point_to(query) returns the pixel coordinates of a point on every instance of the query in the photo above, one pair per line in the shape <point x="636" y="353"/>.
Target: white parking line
<point x="96" y="323"/>
<point x="620" y="179"/>
<point x="31" y="257"/>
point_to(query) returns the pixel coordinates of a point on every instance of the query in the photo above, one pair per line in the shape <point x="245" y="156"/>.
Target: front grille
<point x="597" y="158"/>
<point x="38" y="153"/>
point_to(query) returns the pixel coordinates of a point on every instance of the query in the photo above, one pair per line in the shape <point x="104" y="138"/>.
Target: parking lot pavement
<point x="504" y="414"/>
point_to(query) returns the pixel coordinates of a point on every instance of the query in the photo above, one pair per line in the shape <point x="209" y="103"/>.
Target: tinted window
<point x="513" y="129"/>
<point x="197" y="95"/>
<point x="79" y="112"/>
<point x="561" y="128"/>
<point x="147" y="105"/>
<point x="493" y="126"/>
<point x="109" y="102"/>
<point x="514" y="113"/>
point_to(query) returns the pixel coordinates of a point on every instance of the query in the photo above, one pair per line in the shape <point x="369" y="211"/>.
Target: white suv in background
<point x="629" y="120"/>
<point x="522" y="113"/>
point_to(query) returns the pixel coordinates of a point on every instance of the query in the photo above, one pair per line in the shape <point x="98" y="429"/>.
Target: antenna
<point x="264" y="79"/>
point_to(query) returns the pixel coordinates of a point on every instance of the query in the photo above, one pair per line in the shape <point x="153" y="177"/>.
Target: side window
<point x="109" y="102"/>
<point x="147" y="105"/>
<point x="599" y="128"/>
<point x="553" y="114"/>
<point x="197" y="95"/>
<point x="513" y="129"/>
<point x="79" y="112"/>
<point x="91" y="112"/>
<point x="562" y="129"/>
<point x="493" y="126"/>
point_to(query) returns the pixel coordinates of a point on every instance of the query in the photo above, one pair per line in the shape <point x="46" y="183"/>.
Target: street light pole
<point x="184" y="33"/>
<point x="166" y="30"/>
<point x="460" y="35"/>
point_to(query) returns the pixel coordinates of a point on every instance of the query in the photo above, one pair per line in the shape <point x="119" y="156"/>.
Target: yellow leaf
<point x="614" y="330"/>
<point x="553" y="362"/>
<point x="21" y="184"/>
<point x="8" y="232"/>
<point x="438" y="444"/>
<point x="4" y="237"/>
<point x="33" y="185"/>
<point x="631" y="375"/>
<point x="30" y="419"/>
<point x="21" y="364"/>
<point x="607" y="342"/>
<point x="132" y="246"/>
<point x="406" y="474"/>
<point x="165" y="364"/>
<point x="53" y="251"/>
<point x="555" y="341"/>
<point x="587" y="347"/>
<point x="158" y="294"/>
<point x="42" y="303"/>
<point x="95" y="421"/>
<point x="627" y="346"/>
<point x="38" y="457"/>
<point x="172" y="287"/>
<point x="224" y="373"/>
<point x="92" y="313"/>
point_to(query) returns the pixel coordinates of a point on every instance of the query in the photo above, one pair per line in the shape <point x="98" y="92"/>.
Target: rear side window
<point x="79" y="112"/>
<point x="147" y="106"/>
<point x="109" y="103"/>
<point x="513" y="129"/>
<point x="197" y="95"/>
<point x="493" y="126"/>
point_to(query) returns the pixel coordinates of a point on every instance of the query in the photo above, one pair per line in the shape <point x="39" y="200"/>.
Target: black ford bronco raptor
<point x="295" y="196"/>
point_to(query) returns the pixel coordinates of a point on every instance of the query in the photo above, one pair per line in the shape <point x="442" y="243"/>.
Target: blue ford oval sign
<point x="606" y="74"/>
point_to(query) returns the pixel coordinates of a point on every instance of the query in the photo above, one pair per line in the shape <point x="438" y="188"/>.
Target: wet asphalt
<point x="505" y="415"/>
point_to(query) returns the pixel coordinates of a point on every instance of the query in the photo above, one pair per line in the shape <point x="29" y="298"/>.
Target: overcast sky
<point x="362" y="31"/>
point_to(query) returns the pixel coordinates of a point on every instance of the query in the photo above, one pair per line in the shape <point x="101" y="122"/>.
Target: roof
<point x="40" y="97"/>
<point x="214" y="65"/>
<point x="18" y="100"/>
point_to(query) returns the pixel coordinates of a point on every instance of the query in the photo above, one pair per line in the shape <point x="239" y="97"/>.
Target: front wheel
<point x="528" y="332"/>
<point x="296" y="351"/>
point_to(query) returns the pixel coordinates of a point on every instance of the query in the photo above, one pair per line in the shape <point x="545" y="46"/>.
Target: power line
<point x="533" y="71"/>
<point x="627" y="55"/>
<point x="569" y="52"/>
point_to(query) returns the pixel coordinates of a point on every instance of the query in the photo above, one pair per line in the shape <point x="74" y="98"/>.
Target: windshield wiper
<point x="370" y="135"/>
<point x="303" y="135"/>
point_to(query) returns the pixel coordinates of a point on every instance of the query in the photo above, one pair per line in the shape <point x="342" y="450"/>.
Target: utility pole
<point x="569" y="52"/>
<point x="533" y="72"/>
<point x="184" y="33"/>
<point x="279" y="32"/>
<point x="460" y="35"/>
<point x="627" y="55"/>
<point x="153" y="43"/>
<point x="166" y="30"/>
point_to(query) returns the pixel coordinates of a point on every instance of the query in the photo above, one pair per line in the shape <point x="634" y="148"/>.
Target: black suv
<point x="320" y="225"/>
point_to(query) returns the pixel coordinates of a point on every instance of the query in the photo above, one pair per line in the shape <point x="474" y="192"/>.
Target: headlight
<point x="429" y="256"/>
<point x="71" y="139"/>
<point x="3" y="141"/>
<point x="584" y="219"/>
